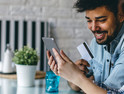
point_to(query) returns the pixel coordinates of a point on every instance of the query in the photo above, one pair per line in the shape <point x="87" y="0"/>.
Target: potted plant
<point x="26" y="60"/>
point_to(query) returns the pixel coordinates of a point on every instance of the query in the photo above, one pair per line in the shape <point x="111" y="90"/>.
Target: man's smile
<point x="100" y="34"/>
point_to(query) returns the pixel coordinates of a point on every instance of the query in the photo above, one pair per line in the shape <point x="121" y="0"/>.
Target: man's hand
<point x="53" y="65"/>
<point x="82" y="65"/>
<point x="63" y="67"/>
<point x="66" y="68"/>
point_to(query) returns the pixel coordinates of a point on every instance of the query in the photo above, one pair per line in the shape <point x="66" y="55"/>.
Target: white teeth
<point x="99" y="34"/>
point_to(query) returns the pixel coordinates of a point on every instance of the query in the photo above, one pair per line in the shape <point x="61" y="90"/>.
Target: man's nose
<point x="94" y="27"/>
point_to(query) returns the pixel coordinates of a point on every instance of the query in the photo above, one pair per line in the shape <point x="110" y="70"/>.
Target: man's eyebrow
<point x="87" y="17"/>
<point x="96" y="17"/>
<point x="100" y="17"/>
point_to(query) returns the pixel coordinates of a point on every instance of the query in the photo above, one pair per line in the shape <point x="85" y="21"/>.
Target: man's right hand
<point x="82" y="65"/>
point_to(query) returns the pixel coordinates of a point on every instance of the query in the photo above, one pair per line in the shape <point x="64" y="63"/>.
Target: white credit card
<point x="85" y="51"/>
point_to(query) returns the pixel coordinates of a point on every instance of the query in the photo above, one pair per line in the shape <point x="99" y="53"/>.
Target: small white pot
<point x="25" y="75"/>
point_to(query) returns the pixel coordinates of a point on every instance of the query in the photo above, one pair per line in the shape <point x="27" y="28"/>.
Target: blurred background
<point x="68" y="27"/>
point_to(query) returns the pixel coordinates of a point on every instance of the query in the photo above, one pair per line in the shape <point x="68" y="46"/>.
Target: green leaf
<point x="26" y="56"/>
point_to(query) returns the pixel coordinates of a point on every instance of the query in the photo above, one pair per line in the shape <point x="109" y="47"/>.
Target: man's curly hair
<point x="122" y="7"/>
<point x="83" y="5"/>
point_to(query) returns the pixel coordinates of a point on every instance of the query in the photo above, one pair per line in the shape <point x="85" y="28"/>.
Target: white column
<point x="20" y="36"/>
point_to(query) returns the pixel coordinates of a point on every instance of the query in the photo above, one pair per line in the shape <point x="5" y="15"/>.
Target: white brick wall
<point x="70" y="28"/>
<point x="57" y="12"/>
<point x="66" y="3"/>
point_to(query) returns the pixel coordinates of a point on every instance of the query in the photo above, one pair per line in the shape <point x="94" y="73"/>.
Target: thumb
<point x="64" y="56"/>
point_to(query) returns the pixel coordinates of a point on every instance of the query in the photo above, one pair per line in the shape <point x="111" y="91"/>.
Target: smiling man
<point x="106" y="23"/>
<point x="103" y="25"/>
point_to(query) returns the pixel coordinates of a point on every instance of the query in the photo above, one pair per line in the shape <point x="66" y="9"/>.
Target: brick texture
<point x="69" y="28"/>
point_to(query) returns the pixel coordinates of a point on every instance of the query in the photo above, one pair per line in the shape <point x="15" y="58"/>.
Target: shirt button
<point x="107" y="60"/>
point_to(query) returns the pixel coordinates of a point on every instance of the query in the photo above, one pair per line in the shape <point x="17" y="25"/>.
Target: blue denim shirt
<point x="108" y="67"/>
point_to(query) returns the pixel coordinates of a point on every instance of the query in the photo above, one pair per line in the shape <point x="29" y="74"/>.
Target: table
<point x="9" y="86"/>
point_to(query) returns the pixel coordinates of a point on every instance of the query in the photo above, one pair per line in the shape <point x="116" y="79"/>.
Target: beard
<point x="108" y="39"/>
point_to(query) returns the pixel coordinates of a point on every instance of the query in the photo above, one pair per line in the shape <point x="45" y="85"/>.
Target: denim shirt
<point x="108" y="67"/>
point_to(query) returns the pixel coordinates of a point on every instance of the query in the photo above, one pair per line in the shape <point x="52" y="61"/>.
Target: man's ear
<point x="121" y="17"/>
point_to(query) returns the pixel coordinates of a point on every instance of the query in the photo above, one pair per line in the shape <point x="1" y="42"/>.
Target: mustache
<point x="99" y="31"/>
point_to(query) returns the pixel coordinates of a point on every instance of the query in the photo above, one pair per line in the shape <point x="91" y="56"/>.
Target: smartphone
<point x="50" y="43"/>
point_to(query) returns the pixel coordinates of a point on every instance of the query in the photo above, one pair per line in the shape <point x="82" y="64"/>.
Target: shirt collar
<point x="114" y="43"/>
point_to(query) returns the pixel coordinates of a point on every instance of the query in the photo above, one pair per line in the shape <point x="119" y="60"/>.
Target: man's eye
<point x="89" y="21"/>
<point x="102" y="20"/>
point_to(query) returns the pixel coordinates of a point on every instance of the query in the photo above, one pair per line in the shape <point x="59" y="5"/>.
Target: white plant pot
<point x="25" y="75"/>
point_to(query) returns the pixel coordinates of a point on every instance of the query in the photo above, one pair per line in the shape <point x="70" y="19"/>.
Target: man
<point x="79" y="63"/>
<point x="107" y="66"/>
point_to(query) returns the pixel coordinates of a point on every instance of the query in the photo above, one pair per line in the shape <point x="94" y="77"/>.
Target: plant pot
<point x="25" y="75"/>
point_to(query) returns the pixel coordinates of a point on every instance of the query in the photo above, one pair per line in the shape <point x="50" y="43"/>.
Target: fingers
<point x="84" y="69"/>
<point x="57" y="56"/>
<point x="50" y="60"/>
<point x="55" y="69"/>
<point x="48" y="54"/>
<point x="82" y="62"/>
<point x="64" y="56"/>
<point x="82" y="65"/>
<point x="53" y="65"/>
<point x="91" y="77"/>
<point x="61" y="58"/>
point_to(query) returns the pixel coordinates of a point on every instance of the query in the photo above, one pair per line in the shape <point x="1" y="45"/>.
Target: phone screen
<point x="50" y="43"/>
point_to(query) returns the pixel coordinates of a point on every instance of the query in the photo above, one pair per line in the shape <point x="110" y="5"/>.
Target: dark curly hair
<point x="122" y="7"/>
<point x="83" y="5"/>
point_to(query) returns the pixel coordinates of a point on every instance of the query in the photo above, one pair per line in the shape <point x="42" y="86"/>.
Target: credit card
<point x="85" y="51"/>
